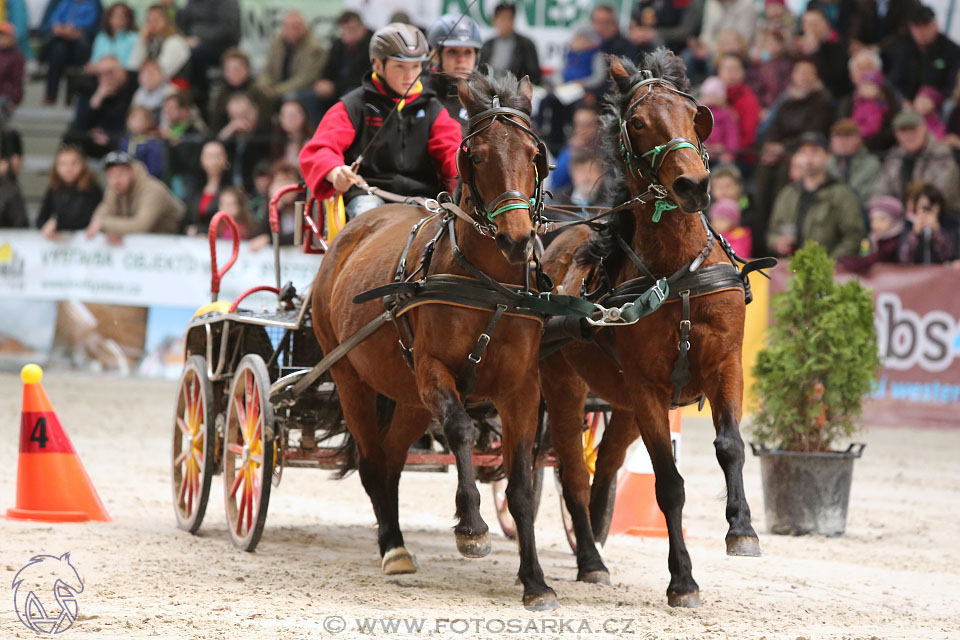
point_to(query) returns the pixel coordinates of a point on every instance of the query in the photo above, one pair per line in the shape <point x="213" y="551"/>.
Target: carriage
<point x="240" y="414"/>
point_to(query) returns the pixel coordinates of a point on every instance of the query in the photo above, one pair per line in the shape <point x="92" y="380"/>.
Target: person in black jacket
<point x="101" y="116"/>
<point x="71" y="197"/>
<point x="13" y="212"/>
<point x="210" y="27"/>
<point x="924" y="57"/>
<point x="346" y="65"/>
<point x="510" y="51"/>
<point x="457" y="40"/>
<point x="245" y="142"/>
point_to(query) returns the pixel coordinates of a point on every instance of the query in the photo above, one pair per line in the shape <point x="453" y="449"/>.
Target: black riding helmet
<point x="398" y="41"/>
<point x="452" y="30"/>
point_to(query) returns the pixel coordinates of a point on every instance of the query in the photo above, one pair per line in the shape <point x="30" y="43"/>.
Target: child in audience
<point x="153" y="88"/>
<point x="928" y="103"/>
<point x="869" y="106"/>
<point x="143" y="143"/>
<point x="887" y="224"/>
<point x="72" y="195"/>
<point x="725" y="218"/>
<point x="234" y="202"/>
<point x="724" y="141"/>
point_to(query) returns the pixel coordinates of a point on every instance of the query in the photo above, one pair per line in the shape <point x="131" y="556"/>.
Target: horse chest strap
<point x="680" y="377"/>
<point x="467" y="380"/>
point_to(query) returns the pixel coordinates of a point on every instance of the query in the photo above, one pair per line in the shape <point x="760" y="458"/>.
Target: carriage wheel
<point x="248" y="452"/>
<point x="595" y="422"/>
<point x="507" y="523"/>
<point x="194" y="445"/>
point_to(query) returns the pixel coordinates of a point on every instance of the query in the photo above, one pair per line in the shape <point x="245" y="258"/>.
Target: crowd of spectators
<point x="839" y="125"/>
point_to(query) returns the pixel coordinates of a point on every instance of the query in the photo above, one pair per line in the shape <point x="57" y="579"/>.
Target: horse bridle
<point x="485" y="212"/>
<point x="655" y="156"/>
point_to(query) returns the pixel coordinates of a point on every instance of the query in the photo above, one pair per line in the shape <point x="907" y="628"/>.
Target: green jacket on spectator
<point x="306" y="62"/>
<point x="833" y="218"/>
<point x="859" y="172"/>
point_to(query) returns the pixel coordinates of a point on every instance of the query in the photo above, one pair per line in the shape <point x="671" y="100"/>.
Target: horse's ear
<point x="467" y="98"/>
<point x="619" y="74"/>
<point x="526" y="88"/>
<point x="703" y="122"/>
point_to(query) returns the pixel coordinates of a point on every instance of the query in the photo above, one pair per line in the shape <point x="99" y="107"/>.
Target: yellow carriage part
<point x="335" y="215"/>
<point x="220" y="306"/>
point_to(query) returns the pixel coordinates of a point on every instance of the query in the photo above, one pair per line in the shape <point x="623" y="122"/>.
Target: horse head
<point x="658" y="129"/>
<point x="502" y="162"/>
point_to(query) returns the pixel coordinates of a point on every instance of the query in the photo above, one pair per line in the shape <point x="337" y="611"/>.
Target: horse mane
<point x="483" y="85"/>
<point x="661" y="63"/>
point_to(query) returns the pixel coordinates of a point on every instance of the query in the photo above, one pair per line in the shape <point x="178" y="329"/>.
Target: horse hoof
<point x="474" y="546"/>
<point x="398" y="561"/>
<point x="596" y="577"/>
<point x="541" y="601"/>
<point x="687" y="600"/>
<point x="743" y="546"/>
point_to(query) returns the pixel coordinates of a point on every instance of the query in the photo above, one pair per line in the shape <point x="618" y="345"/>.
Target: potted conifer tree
<point x="819" y="362"/>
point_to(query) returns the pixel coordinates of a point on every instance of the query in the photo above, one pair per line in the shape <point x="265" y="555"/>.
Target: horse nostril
<point x="688" y="188"/>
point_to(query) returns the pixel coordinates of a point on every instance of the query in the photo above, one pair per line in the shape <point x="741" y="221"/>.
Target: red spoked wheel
<point x="504" y="517"/>
<point x="248" y="452"/>
<point x="594" y="423"/>
<point x="194" y="445"/>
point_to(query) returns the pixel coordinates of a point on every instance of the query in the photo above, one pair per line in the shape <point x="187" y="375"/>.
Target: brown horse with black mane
<point x="690" y="346"/>
<point x="486" y="239"/>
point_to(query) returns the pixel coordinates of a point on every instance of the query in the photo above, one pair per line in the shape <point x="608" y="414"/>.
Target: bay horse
<point x="634" y="366"/>
<point x="494" y="238"/>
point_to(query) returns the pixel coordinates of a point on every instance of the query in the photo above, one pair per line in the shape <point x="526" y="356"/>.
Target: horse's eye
<point x="637" y="124"/>
<point x="476" y="159"/>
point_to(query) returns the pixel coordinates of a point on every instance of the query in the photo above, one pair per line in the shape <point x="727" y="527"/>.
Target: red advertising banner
<point x="917" y="316"/>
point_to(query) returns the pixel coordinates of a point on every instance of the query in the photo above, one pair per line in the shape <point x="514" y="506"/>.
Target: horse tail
<point x="347" y="449"/>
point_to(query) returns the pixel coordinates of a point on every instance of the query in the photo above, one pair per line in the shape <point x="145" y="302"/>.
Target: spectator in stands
<point x="11" y="151"/>
<point x="850" y="161"/>
<point x="777" y="18"/>
<point x="294" y="60"/>
<point x="134" y="202"/>
<point x="724" y="141"/>
<point x="928" y="103"/>
<point x="13" y="211"/>
<point x="606" y="24"/>
<point x="879" y="24"/>
<point x="769" y="71"/>
<point x="236" y="79"/>
<point x="642" y="34"/>
<point x="457" y="41"/>
<point x="871" y="87"/>
<point x="427" y="162"/>
<point x="282" y="175"/>
<point x="886" y="235"/>
<point x="586" y="186"/>
<point x="143" y="143"/>
<point x="671" y="22"/>
<point x="870" y="109"/>
<point x="821" y="44"/>
<point x="73" y="25"/>
<point x="927" y="241"/>
<point x="72" y="194"/>
<point x="719" y="15"/>
<point x="508" y="50"/>
<point x="740" y="98"/>
<point x="11" y="71"/>
<point x="245" y="142"/>
<point x="586" y="135"/>
<point x="726" y="183"/>
<point x="924" y="57"/>
<point x="262" y="176"/>
<point x="233" y="201"/>
<point x="17" y="15"/>
<point x="725" y="217"/>
<point x="117" y="36"/>
<point x="202" y="204"/>
<point x="160" y="41"/>
<point x="291" y="133"/>
<point x="815" y="208"/>
<point x="153" y="90"/>
<point x="346" y="65"/>
<point x="918" y="158"/>
<point x="101" y="116"/>
<point x="185" y="134"/>
<point x="210" y="27"/>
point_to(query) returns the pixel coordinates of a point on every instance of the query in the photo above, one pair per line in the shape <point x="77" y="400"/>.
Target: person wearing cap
<point x="134" y="202"/>
<point x="882" y="244"/>
<point x="917" y="157"/>
<point x="850" y="161"/>
<point x="408" y="140"/>
<point x="923" y="57"/>
<point x="456" y="39"/>
<point x="508" y="50"/>
<point x="11" y="69"/>
<point x="816" y="207"/>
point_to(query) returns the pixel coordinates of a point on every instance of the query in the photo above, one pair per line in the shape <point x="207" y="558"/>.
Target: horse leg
<point x="408" y="424"/>
<point x="565" y="394"/>
<point x="618" y="435"/>
<point x="519" y="417"/>
<point x="439" y="393"/>
<point x="654" y="425"/>
<point x="358" y="401"/>
<point x="725" y="403"/>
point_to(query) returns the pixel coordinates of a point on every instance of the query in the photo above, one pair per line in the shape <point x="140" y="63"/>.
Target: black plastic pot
<point x="806" y="492"/>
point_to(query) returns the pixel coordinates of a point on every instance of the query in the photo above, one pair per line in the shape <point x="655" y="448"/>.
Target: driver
<point x="416" y="153"/>
<point x="458" y="41"/>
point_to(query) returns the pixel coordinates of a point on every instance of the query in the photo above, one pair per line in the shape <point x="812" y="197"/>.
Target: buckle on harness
<point x="432" y="205"/>
<point x="485" y="340"/>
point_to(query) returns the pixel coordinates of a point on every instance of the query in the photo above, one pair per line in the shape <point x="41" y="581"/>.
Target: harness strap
<point x="467" y="380"/>
<point x="680" y="377"/>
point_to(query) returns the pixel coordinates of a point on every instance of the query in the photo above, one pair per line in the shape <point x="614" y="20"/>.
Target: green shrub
<point x="820" y="358"/>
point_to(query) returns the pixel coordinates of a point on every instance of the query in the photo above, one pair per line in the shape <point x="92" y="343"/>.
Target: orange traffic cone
<point x="635" y="510"/>
<point x="52" y="484"/>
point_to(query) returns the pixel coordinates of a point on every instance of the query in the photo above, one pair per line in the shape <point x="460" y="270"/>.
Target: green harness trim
<point x="659" y="206"/>
<point x="508" y="207"/>
<point x="660" y="147"/>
